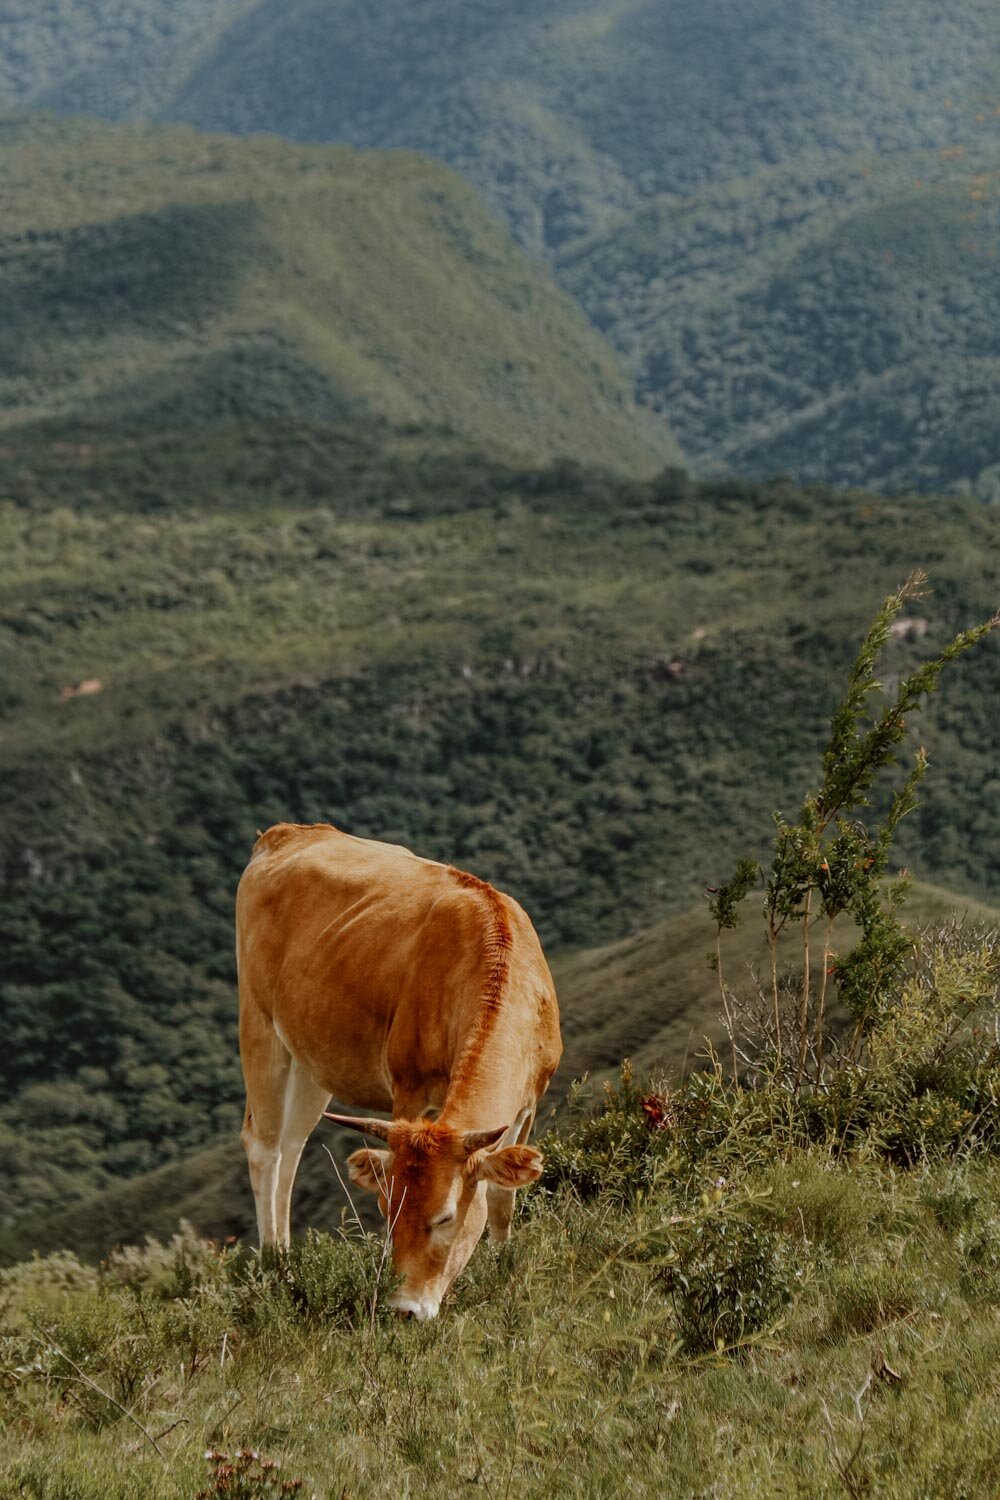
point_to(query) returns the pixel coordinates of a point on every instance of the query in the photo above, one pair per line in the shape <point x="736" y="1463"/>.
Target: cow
<point x="392" y="983"/>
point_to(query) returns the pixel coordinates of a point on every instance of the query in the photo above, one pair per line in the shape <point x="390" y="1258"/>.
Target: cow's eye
<point x="443" y="1219"/>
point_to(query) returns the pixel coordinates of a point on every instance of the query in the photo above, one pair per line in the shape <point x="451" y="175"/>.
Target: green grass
<point x="556" y="1366"/>
<point x="162" y="275"/>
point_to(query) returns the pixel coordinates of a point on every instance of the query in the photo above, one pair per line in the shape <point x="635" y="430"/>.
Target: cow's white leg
<point x="266" y="1065"/>
<point x="500" y="1201"/>
<point x="305" y="1102"/>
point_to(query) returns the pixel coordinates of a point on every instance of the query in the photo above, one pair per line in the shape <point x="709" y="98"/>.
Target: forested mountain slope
<point x="592" y="691"/>
<point x="151" y="275"/>
<point x="782" y="212"/>
<point x="832" y="321"/>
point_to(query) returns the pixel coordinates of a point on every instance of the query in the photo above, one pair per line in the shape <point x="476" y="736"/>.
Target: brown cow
<point x="397" y="984"/>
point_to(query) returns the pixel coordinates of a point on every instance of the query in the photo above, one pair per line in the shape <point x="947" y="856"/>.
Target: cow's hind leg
<point x="266" y="1066"/>
<point x="305" y="1102"/>
<point x="499" y="1200"/>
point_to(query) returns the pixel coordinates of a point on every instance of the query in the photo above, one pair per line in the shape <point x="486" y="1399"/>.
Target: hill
<point x="155" y="276"/>
<point x="590" y="690"/>
<point x="795" y="260"/>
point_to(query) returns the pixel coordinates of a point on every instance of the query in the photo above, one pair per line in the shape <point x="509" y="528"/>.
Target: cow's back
<point x="345" y="943"/>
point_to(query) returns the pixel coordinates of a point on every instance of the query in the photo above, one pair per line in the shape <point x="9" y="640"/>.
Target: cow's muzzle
<point x="420" y="1308"/>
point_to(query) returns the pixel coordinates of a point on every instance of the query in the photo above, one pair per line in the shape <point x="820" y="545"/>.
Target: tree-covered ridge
<point x="728" y="188"/>
<point x="153" y="276"/>
<point x="586" y="689"/>
<point x="834" y="321"/>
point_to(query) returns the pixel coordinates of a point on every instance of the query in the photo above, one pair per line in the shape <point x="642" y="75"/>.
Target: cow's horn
<point x="482" y="1140"/>
<point x="380" y="1128"/>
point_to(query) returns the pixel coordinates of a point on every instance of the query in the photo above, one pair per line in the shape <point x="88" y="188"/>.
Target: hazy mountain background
<point x="782" y="212"/>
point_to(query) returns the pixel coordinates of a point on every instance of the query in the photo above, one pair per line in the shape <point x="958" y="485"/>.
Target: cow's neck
<point x="486" y="1084"/>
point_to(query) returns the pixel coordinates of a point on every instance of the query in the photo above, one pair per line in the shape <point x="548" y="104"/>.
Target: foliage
<point x="829" y="866"/>
<point x="829" y="319"/>
<point x="300" y="648"/>
<point x="610" y="1150"/>
<point x="728" y="1278"/>
<point x="579" y="1358"/>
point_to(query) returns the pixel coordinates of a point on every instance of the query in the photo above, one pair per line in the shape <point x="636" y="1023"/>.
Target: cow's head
<point x="431" y="1185"/>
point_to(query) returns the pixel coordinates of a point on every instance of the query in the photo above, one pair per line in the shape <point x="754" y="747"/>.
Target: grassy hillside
<point x="795" y="261"/>
<point x="157" y="276"/>
<point x="592" y="691"/>
<point x="751" y="1326"/>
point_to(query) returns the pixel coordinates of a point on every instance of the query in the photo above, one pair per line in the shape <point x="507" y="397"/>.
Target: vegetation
<point x="727" y="1283"/>
<point x="795" y="262"/>
<point x="583" y="688"/>
<point x="830" y="866"/>
<point x="154" y="276"/>
<point x="716" y="1306"/>
<point x="832" y="320"/>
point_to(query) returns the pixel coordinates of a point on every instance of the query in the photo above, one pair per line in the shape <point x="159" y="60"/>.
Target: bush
<point x="618" y="1151"/>
<point x="728" y="1278"/>
<point x="320" y="1279"/>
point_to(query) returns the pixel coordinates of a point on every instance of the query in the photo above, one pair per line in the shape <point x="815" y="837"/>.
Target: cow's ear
<point x="511" y="1167"/>
<point x="370" y="1169"/>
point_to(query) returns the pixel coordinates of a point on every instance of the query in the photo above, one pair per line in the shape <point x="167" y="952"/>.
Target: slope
<point x="836" y="321"/>
<point x="592" y="691"/>
<point x="155" y="276"/>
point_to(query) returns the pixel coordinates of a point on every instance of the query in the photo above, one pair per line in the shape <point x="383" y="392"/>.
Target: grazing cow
<point x="397" y="984"/>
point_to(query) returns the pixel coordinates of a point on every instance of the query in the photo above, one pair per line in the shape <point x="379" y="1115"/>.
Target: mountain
<point x="782" y="212"/>
<point x="589" y="689"/>
<point x="154" y="276"/>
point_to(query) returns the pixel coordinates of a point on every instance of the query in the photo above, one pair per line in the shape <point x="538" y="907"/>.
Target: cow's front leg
<point x="500" y="1200"/>
<point x="499" y="1212"/>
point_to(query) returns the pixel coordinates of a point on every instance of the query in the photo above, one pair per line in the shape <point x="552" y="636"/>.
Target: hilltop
<point x="158" y="276"/>
<point x="795" y="261"/>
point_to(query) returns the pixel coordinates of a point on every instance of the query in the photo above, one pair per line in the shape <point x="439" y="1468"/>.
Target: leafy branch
<point x="830" y="864"/>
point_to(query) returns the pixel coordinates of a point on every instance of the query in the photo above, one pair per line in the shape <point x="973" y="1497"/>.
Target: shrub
<point x="619" y="1150"/>
<point x="321" y="1279"/>
<point x="728" y="1278"/>
<point x="827" y="867"/>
